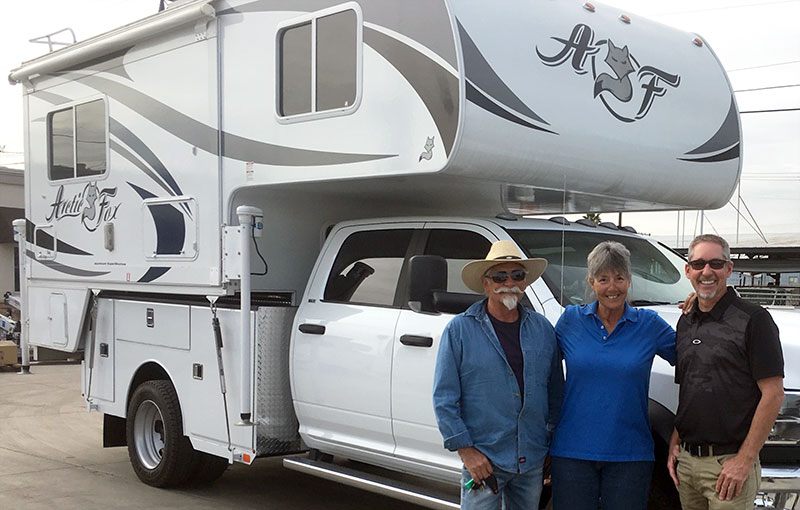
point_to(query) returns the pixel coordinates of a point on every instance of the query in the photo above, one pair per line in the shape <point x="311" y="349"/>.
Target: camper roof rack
<point x="48" y="39"/>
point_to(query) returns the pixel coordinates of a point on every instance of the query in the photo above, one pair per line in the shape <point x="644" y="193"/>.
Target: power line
<point x="763" y="66"/>
<point x="772" y="111"/>
<point x="769" y="88"/>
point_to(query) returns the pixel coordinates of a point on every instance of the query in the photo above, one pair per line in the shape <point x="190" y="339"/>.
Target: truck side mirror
<point x="427" y="273"/>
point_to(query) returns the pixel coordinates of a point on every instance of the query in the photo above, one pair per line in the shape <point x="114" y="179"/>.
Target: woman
<point x="602" y="450"/>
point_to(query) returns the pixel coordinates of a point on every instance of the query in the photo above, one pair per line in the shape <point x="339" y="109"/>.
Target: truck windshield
<point x="658" y="273"/>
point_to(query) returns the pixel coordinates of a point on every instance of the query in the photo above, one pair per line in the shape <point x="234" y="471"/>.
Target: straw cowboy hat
<point x="500" y="253"/>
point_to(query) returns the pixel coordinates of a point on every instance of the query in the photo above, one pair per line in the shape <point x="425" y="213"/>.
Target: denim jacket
<point x="476" y="396"/>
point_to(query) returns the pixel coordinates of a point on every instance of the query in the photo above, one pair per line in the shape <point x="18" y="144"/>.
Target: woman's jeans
<point x="582" y="484"/>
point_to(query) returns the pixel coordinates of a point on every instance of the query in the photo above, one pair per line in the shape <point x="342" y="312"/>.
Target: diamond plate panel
<point x="276" y="423"/>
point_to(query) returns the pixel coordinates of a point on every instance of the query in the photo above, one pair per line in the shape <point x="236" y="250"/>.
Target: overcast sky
<point x="758" y="42"/>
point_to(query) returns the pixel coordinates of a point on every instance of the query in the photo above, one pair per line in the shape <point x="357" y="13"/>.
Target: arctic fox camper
<point x="222" y="201"/>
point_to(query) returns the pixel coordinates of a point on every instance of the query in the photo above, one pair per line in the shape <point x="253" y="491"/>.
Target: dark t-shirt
<point x="508" y="334"/>
<point x="721" y="356"/>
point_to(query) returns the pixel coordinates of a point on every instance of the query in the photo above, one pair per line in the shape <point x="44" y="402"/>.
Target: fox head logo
<point x="619" y="60"/>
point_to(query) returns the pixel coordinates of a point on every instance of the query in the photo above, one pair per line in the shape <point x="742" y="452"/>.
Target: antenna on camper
<point x="48" y="39"/>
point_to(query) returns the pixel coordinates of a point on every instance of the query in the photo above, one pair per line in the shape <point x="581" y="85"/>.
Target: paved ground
<point x="51" y="458"/>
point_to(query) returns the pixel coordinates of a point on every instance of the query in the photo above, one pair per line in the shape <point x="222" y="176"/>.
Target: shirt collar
<point x="630" y="314"/>
<point x="719" y="308"/>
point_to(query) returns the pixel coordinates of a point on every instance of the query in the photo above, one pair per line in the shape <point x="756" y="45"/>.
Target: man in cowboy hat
<point x="498" y="383"/>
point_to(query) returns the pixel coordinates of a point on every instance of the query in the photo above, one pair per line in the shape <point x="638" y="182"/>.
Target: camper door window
<point x="318" y="64"/>
<point x="77" y="143"/>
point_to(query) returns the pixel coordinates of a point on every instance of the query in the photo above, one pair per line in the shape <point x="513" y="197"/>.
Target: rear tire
<point x="206" y="468"/>
<point x="160" y="454"/>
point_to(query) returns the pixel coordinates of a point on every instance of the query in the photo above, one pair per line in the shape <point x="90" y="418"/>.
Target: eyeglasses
<point x="699" y="264"/>
<point x="500" y="276"/>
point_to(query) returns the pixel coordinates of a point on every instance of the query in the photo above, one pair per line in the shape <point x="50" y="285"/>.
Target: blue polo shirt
<point x="604" y="415"/>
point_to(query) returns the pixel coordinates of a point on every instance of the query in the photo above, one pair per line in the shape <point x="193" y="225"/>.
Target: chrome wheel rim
<point x="149" y="434"/>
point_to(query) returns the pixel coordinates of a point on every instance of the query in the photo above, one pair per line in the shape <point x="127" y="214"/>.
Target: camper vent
<point x="560" y="220"/>
<point x="586" y="222"/>
<point x="609" y="225"/>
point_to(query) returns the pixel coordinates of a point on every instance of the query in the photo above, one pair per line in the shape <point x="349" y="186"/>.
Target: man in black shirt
<point x="730" y="371"/>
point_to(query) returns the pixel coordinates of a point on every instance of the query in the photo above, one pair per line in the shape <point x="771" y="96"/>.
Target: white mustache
<point x="512" y="290"/>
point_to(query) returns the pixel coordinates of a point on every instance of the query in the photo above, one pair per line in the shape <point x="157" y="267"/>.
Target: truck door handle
<point x="416" y="341"/>
<point x="312" y="329"/>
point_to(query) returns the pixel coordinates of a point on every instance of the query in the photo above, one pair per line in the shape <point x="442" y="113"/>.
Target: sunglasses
<point x="500" y="276"/>
<point x="699" y="264"/>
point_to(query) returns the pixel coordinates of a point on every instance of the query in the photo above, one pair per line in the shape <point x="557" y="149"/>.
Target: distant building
<point x="12" y="206"/>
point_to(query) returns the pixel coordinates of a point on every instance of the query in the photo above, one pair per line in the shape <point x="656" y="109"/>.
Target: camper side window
<point x="77" y="141"/>
<point x="318" y="64"/>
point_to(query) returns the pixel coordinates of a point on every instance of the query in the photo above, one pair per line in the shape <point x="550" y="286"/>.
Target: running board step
<point x="369" y="482"/>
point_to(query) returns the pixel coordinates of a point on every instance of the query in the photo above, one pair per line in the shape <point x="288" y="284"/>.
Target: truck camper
<point x="223" y="201"/>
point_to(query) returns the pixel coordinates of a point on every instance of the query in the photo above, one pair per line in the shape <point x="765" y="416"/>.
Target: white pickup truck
<point x="366" y="333"/>
<point x="165" y="157"/>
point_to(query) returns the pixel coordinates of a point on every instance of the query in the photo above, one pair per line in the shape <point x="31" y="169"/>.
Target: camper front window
<point x="77" y="141"/>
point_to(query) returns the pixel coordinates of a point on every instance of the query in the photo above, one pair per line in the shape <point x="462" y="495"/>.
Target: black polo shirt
<point x="721" y="355"/>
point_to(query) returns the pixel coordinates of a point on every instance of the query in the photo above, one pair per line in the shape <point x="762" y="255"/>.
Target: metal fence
<point x="771" y="296"/>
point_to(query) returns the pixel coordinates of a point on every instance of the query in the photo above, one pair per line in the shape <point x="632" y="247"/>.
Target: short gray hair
<point x="609" y="255"/>
<point x="711" y="238"/>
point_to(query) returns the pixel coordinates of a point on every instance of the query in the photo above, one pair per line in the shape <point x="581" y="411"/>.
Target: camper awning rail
<point x="108" y="42"/>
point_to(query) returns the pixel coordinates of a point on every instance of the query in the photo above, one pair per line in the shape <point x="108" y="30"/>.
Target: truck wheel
<point x="206" y="468"/>
<point x="160" y="454"/>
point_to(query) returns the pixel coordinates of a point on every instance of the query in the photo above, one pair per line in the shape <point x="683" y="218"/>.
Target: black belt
<point x="706" y="450"/>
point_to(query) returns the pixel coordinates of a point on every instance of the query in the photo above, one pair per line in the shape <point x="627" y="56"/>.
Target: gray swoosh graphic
<point x="205" y="137"/>
<point x="122" y="151"/>
<point x="425" y="21"/>
<point x="480" y="72"/>
<point x="726" y="136"/>
<point x="138" y="146"/>
<point x="61" y="268"/>
<point x="51" y="98"/>
<point x="437" y="88"/>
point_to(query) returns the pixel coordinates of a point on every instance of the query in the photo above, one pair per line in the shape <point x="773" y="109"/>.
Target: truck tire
<point x="160" y="454"/>
<point x="206" y="468"/>
<point x="663" y="495"/>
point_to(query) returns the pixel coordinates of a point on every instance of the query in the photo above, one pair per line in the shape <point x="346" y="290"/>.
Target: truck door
<point x="342" y="350"/>
<point x="416" y="344"/>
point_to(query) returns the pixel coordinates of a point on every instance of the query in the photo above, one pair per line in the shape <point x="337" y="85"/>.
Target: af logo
<point x="614" y="75"/>
<point x="91" y="204"/>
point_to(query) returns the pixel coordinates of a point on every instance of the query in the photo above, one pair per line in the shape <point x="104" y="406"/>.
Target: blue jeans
<point x="517" y="491"/>
<point x="582" y="484"/>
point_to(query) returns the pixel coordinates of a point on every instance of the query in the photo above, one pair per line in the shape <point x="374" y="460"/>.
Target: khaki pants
<point x="698" y="478"/>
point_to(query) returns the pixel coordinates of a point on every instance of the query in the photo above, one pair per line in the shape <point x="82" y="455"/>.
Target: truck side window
<point x="327" y="44"/>
<point x="77" y="141"/>
<point x="367" y="268"/>
<point x="457" y="247"/>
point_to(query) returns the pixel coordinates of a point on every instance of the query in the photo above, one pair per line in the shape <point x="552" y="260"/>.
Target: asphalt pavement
<point x="51" y="457"/>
